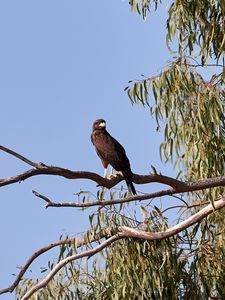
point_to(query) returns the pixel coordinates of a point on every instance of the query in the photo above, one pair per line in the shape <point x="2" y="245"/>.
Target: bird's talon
<point x="112" y="175"/>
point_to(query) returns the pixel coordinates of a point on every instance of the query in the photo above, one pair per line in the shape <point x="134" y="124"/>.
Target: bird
<point x="111" y="152"/>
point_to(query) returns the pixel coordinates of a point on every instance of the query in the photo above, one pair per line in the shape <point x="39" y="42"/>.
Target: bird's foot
<point x="111" y="176"/>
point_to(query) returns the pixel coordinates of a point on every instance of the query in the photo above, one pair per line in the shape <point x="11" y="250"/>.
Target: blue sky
<point x="64" y="64"/>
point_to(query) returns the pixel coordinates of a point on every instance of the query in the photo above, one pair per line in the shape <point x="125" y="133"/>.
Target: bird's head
<point x="99" y="124"/>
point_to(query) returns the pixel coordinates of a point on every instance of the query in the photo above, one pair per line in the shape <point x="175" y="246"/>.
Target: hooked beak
<point x="102" y="124"/>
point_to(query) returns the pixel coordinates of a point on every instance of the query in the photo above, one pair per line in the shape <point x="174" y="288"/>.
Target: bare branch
<point x="187" y="187"/>
<point x="105" y="202"/>
<point x="197" y="217"/>
<point x="30" y="260"/>
<point x="42" y="197"/>
<point x="105" y="182"/>
<point x="127" y="232"/>
<point x="26" y="160"/>
<point x="66" y="260"/>
<point x="42" y="169"/>
<point x="104" y="233"/>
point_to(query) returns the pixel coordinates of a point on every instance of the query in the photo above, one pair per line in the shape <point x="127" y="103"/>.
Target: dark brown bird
<point x="111" y="152"/>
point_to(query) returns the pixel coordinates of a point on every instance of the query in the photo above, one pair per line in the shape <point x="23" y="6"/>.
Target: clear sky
<point x="64" y="64"/>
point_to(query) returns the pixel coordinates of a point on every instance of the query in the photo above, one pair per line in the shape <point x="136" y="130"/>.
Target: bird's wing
<point x="109" y="148"/>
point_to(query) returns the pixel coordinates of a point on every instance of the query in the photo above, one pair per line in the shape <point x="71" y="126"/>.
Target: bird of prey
<point x="111" y="152"/>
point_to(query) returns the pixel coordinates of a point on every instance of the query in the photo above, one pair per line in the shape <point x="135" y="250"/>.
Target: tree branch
<point x="127" y="232"/>
<point x="105" y="182"/>
<point x="66" y="260"/>
<point x="197" y="217"/>
<point x="104" y="233"/>
<point x="30" y="260"/>
<point x="19" y="156"/>
<point x="187" y="187"/>
<point x="43" y="169"/>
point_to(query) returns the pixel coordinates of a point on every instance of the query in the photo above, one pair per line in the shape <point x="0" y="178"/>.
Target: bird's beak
<point x="102" y="124"/>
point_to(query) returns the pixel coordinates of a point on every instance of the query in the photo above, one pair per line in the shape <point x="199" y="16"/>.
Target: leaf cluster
<point x="198" y="26"/>
<point x="191" y="112"/>
<point x="186" y="266"/>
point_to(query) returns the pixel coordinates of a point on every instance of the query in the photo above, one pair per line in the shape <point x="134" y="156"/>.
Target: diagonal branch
<point x="189" y="187"/>
<point x="127" y="232"/>
<point x="19" y="156"/>
<point x="30" y="260"/>
<point x="197" y="217"/>
<point x="66" y="260"/>
<point x="103" y="234"/>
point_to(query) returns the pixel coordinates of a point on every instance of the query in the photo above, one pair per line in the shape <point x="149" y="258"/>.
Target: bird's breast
<point x="98" y="138"/>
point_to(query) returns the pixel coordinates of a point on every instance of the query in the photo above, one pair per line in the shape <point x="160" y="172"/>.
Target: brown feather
<point x="111" y="152"/>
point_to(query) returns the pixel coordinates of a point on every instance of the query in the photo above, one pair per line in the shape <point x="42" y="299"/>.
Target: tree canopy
<point x="133" y="249"/>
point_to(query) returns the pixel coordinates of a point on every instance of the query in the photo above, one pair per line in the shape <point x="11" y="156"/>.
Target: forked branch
<point x="127" y="232"/>
<point x="119" y="232"/>
<point x="103" y="234"/>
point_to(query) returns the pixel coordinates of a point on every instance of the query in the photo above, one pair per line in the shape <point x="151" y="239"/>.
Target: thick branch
<point x="187" y="187"/>
<point x="42" y="169"/>
<point x="127" y="232"/>
<point x="197" y="217"/>
<point x="105" y="182"/>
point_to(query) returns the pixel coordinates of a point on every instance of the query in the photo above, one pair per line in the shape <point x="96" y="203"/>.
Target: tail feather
<point x="128" y="176"/>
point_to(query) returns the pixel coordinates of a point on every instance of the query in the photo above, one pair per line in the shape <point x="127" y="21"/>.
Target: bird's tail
<point x="128" y="176"/>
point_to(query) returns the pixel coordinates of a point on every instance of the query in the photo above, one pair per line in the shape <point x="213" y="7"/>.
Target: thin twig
<point x="187" y="206"/>
<point x="200" y="65"/>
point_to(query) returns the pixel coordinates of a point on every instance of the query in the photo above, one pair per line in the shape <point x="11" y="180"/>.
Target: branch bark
<point x="197" y="217"/>
<point x="65" y="261"/>
<point x="127" y="232"/>
<point x="43" y="169"/>
<point x="103" y="234"/>
<point x="120" y="232"/>
<point x="188" y="187"/>
<point x="177" y="186"/>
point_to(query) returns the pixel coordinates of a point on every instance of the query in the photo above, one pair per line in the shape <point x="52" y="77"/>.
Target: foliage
<point x="190" y="110"/>
<point x="194" y="24"/>
<point x="177" y="268"/>
<point x="187" y="106"/>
